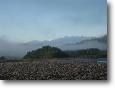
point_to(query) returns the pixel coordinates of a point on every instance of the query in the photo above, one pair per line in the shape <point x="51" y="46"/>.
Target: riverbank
<point x="48" y="70"/>
<point x="47" y="59"/>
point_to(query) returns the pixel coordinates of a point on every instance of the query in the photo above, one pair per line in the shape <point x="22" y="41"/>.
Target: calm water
<point x="99" y="60"/>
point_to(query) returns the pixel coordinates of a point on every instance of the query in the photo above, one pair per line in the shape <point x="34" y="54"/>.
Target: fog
<point x="18" y="50"/>
<point x="84" y="45"/>
<point x="15" y="50"/>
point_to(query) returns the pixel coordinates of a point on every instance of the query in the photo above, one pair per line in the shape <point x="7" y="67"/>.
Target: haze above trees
<point x="18" y="50"/>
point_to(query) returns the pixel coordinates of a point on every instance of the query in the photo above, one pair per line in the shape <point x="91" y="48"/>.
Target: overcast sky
<point x="26" y="20"/>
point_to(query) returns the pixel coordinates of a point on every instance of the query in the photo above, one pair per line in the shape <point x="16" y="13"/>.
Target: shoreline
<point x="25" y="60"/>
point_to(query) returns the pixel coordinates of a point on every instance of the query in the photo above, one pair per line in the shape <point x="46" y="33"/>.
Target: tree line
<point x="88" y="53"/>
<point x="54" y="52"/>
<point x="46" y="52"/>
<point x="2" y="58"/>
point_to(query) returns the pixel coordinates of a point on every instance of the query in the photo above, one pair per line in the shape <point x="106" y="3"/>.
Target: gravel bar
<point x="48" y="70"/>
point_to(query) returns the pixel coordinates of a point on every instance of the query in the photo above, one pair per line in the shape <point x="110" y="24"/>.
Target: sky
<point x="26" y="20"/>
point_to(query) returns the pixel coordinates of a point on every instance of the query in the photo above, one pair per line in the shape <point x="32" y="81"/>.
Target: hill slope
<point x="45" y="52"/>
<point x="100" y="43"/>
<point x="60" y="40"/>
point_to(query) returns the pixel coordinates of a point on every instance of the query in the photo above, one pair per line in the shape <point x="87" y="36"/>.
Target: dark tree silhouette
<point x="46" y="52"/>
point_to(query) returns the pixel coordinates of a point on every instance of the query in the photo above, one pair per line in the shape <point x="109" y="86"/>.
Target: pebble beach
<point x="49" y="70"/>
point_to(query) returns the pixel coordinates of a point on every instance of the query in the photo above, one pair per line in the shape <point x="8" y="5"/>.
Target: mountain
<point x="59" y="41"/>
<point x="75" y="43"/>
<point x="100" y="43"/>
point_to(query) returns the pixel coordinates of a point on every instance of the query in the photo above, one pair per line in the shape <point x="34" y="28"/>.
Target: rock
<point x="48" y="70"/>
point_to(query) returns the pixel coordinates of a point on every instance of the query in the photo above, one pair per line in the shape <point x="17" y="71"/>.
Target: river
<point x="99" y="60"/>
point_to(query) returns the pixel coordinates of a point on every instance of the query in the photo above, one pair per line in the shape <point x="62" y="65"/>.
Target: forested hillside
<point x="88" y="53"/>
<point x="54" y="52"/>
<point x="2" y="58"/>
<point x="100" y="43"/>
<point x="46" y="52"/>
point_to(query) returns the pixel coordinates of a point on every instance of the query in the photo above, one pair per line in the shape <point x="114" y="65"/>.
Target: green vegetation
<point x="46" y="52"/>
<point x="53" y="52"/>
<point x="88" y="53"/>
<point x="2" y="58"/>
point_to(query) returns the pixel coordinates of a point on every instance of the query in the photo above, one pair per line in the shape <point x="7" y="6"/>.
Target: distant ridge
<point x="59" y="41"/>
<point x="100" y="43"/>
